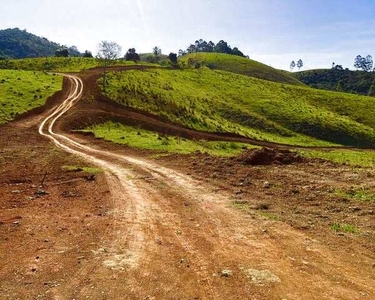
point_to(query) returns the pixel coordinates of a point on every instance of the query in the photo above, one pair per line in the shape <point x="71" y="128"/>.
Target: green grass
<point x="236" y="64"/>
<point x="89" y="170"/>
<point x="344" y="228"/>
<point x="143" y="139"/>
<point x="58" y="64"/>
<point x="270" y="216"/>
<point x="364" y="158"/>
<point x="21" y="91"/>
<point x="359" y="194"/>
<point x="225" y="102"/>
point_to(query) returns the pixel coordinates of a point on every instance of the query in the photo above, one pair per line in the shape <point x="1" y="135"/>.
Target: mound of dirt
<point x="268" y="156"/>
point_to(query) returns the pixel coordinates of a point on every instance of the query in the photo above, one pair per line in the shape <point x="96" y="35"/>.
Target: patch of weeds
<point x="360" y="194"/>
<point x="269" y="216"/>
<point x="88" y="170"/>
<point x="344" y="228"/>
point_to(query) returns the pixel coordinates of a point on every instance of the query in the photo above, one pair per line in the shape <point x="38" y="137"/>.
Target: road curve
<point x="172" y="236"/>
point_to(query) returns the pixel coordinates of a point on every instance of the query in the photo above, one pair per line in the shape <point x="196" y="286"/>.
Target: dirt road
<point x="173" y="237"/>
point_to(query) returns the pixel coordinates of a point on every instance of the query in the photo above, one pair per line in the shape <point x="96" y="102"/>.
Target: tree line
<point x="203" y="46"/>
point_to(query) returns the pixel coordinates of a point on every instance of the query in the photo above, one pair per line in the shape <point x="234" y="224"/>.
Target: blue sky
<point x="271" y="31"/>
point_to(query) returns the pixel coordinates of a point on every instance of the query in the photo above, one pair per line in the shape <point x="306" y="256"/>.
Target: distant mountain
<point x="16" y="43"/>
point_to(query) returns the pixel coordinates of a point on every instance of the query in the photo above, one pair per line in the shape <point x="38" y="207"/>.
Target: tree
<point x="358" y="62"/>
<point x="62" y="52"/>
<point x="368" y="63"/>
<point x="173" y="58"/>
<point x="87" y="54"/>
<point x="156" y="51"/>
<point x="338" y="68"/>
<point x="223" y="47"/>
<point x="237" y="52"/>
<point x="191" y="49"/>
<point x="181" y="52"/>
<point x="299" y="64"/>
<point x="107" y="53"/>
<point x="132" y="55"/>
<point x="364" y="63"/>
<point x="292" y="65"/>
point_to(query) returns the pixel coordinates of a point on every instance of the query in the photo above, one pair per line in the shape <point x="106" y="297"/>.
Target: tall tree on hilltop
<point x="292" y="65"/>
<point x="364" y="63"/>
<point x="237" y="52"/>
<point x="299" y="64"/>
<point x="156" y="51"/>
<point x="107" y="52"/>
<point x="223" y="47"/>
<point x="369" y="63"/>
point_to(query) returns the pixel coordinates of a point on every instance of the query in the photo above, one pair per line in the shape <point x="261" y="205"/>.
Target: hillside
<point x="357" y="82"/>
<point x="224" y="102"/>
<point x="16" y="43"/>
<point x="150" y="57"/>
<point x="22" y="91"/>
<point x="239" y="65"/>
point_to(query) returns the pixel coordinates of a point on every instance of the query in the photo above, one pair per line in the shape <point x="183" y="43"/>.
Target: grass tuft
<point x="344" y="228"/>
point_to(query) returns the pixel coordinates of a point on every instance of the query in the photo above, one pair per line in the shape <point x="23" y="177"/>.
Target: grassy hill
<point x="239" y="65"/>
<point x="224" y="102"/>
<point x="16" y="43"/>
<point x="357" y="82"/>
<point x="58" y="64"/>
<point x="21" y="91"/>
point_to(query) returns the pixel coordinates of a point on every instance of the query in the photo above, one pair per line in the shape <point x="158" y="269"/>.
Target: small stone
<point x="354" y="208"/>
<point x="266" y="185"/>
<point x="226" y="273"/>
<point x="16" y="192"/>
<point x="40" y="193"/>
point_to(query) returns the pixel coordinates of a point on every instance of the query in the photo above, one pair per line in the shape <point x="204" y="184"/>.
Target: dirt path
<point x="173" y="237"/>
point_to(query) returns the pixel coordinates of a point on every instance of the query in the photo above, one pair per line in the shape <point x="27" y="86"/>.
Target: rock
<point x="226" y="273"/>
<point x="40" y="193"/>
<point x="354" y="208"/>
<point x="16" y="192"/>
<point x="266" y="185"/>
